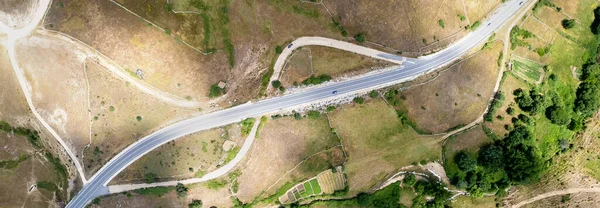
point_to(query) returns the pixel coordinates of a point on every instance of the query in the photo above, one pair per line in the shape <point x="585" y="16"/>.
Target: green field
<point x="307" y="190"/>
<point x="315" y="185"/>
<point x="527" y="70"/>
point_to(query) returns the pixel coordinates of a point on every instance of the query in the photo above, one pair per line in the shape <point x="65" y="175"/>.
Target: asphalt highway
<point x="96" y="185"/>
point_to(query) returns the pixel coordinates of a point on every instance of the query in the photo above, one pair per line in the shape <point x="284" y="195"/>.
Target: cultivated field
<point x="378" y="143"/>
<point x="527" y="70"/>
<point x="282" y="144"/>
<point x="458" y="96"/>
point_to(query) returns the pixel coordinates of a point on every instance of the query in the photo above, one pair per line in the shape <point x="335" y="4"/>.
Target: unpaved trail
<point x="557" y="193"/>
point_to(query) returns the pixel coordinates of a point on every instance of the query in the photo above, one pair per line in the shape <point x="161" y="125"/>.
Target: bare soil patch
<point x="16" y="13"/>
<point x="378" y="143"/>
<point x="282" y="144"/>
<point x="459" y="95"/>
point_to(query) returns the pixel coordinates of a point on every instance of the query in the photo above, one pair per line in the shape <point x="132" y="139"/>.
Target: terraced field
<point x="527" y="70"/>
<point x="325" y="182"/>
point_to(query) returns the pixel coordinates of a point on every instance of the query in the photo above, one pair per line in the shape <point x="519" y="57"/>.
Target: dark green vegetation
<point x="360" y="37"/>
<point x="195" y="204"/>
<point x="547" y="117"/>
<point x="62" y="175"/>
<point x="247" y="125"/>
<point x="314" y="80"/>
<point x="158" y="191"/>
<point x="217" y="16"/>
<point x="442" y="23"/>
<point x="181" y="190"/>
<point x="496" y="104"/>
<point x="474" y="26"/>
<point x="568" y="23"/>
<point x="428" y="194"/>
<point x="216" y="91"/>
<point x="359" y="100"/>
<point x="276" y="84"/>
<point x="543" y="3"/>
<point x="518" y="36"/>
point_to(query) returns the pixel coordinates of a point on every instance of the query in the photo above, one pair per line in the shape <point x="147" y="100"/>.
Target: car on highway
<point x="334" y="92"/>
<point x="290" y="45"/>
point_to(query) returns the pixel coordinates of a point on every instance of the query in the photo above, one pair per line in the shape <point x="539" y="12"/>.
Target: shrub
<point x="568" y="23"/>
<point x="216" y="91"/>
<point x="278" y="49"/>
<point x="247" y="125"/>
<point x="150" y="177"/>
<point x="195" y="204"/>
<point x="181" y="190"/>
<point x="510" y="111"/>
<point x="359" y="100"/>
<point x="313" y="114"/>
<point x="494" y="106"/>
<point x="330" y="108"/>
<point x="373" y="94"/>
<point x="558" y="115"/>
<point x="316" y="79"/>
<point x="297" y="116"/>
<point x="360" y="37"/>
<point x="442" y="23"/>
<point x="281" y="88"/>
<point x="276" y="83"/>
<point x="461" y="17"/>
<point x="138" y="118"/>
<point x="410" y="179"/>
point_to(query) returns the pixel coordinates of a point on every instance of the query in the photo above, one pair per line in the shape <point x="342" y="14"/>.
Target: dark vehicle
<point x="290" y="45"/>
<point x="489" y="24"/>
<point x="334" y="92"/>
<point x="520" y="3"/>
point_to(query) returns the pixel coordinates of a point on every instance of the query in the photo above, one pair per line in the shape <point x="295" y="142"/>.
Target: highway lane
<point x="97" y="184"/>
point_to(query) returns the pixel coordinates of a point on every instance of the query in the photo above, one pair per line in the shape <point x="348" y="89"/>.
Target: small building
<point x="222" y="84"/>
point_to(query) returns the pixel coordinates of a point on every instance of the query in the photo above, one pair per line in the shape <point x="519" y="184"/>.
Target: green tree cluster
<point x="314" y="80"/>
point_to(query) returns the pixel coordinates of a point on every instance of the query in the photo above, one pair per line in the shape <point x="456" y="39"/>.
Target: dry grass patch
<point x="510" y="84"/>
<point x="210" y="197"/>
<point x="336" y="62"/>
<point x="399" y="24"/>
<point x="298" y="67"/>
<point x="570" y="200"/>
<point x="458" y="96"/>
<point x="478" y="9"/>
<point x="133" y="44"/>
<point x="120" y="116"/>
<point x="284" y="143"/>
<point x="470" y="140"/>
<point x="468" y="202"/>
<point x="538" y="28"/>
<point x="185" y="157"/>
<point x="378" y="143"/>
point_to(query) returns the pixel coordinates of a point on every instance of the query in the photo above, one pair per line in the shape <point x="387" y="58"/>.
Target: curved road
<point x="96" y="186"/>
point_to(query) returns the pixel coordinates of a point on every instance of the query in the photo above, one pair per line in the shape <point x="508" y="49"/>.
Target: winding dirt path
<point x="557" y="193"/>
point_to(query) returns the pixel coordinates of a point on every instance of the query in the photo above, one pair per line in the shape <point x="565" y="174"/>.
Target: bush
<point x="138" y="118"/>
<point x="510" y="111"/>
<point x="491" y="156"/>
<point x="247" y="125"/>
<point x="278" y="49"/>
<point x="276" y="84"/>
<point x="297" y="116"/>
<point x="216" y="91"/>
<point x="442" y="23"/>
<point x="181" y="190"/>
<point x="150" y="177"/>
<point x="410" y="179"/>
<point x="568" y="23"/>
<point x="360" y="37"/>
<point x="359" y="100"/>
<point x="313" y="114"/>
<point x="195" y="204"/>
<point x="494" y="106"/>
<point x="281" y="88"/>
<point x="373" y="94"/>
<point x="330" y="108"/>
<point x="316" y="80"/>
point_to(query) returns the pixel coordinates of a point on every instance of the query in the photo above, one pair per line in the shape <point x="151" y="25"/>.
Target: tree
<point x="278" y="49"/>
<point x="465" y="162"/>
<point x="491" y="156"/>
<point x="410" y="179"/>
<point x="558" y="115"/>
<point x="360" y="37"/>
<point x="150" y="177"/>
<point x="195" y="204"/>
<point x="181" y="190"/>
<point x="215" y="91"/>
<point x="568" y="23"/>
<point x="276" y="84"/>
